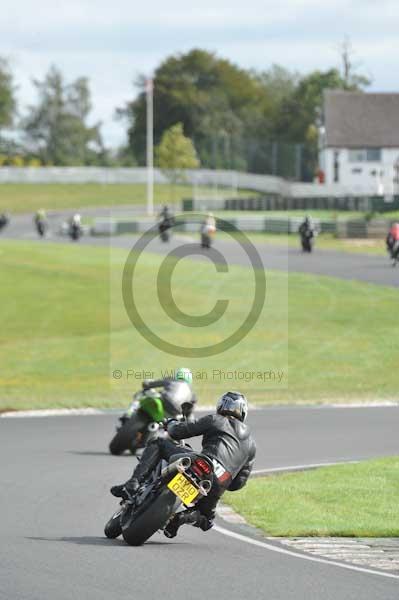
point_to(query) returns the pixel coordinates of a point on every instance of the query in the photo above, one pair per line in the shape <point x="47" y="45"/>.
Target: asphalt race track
<point x="363" y="267"/>
<point x="55" y="473"/>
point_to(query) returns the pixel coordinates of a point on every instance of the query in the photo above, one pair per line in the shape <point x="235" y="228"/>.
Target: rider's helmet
<point x="233" y="404"/>
<point x="183" y="374"/>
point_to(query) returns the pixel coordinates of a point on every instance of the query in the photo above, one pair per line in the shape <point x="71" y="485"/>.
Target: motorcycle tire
<point x="124" y="439"/>
<point x="155" y="517"/>
<point x="113" y="527"/>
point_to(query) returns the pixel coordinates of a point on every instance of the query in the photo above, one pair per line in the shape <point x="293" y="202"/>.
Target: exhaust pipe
<point x="153" y="427"/>
<point x="183" y="464"/>
<point x="205" y="487"/>
<point x="178" y="466"/>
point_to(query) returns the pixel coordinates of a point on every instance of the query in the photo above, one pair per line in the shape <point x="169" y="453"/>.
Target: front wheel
<point x="113" y="528"/>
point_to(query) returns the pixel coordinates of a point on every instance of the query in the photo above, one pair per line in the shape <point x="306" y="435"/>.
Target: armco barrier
<point x="275" y="187"/>
<point x="246" y="224"/>
<point x="341" y="228"/>
<point x="368" y="204"/>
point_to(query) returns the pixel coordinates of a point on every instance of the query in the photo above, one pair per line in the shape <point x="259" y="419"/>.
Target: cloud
<point x="111" y="42"/>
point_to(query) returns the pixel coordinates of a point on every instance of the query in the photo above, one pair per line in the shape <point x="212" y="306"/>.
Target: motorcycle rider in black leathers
<point x="307" y="230"/>
<point x="227" y="441"/>
<point x="167" y="219"/>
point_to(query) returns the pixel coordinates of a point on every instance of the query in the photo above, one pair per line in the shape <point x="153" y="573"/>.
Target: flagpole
<point x="150" y="146"/>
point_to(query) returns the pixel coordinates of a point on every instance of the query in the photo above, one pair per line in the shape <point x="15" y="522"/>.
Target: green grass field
<point x="25" y="198"/>
<point x="340" y="342"/>
<point x="359" y="500"/>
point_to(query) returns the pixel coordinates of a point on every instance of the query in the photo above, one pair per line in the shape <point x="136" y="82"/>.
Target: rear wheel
<point x="152" y="519"/>
<point x="126" y="438"/>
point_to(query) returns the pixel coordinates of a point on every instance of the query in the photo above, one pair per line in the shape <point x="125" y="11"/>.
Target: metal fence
<point x="359" y="228"/>
<point x="316" y="195"/>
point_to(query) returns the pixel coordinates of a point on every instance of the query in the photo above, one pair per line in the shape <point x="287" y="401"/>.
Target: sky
<point x="112" y="42"/>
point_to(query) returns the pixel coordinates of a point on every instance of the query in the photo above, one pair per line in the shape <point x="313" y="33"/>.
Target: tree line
<point x="233" y="118"/>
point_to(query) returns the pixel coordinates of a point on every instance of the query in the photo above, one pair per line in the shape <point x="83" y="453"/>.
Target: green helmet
<point x="184" y="375"/>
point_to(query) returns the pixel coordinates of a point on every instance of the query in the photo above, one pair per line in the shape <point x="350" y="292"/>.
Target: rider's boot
<point x="149" y="460"/>
<point x="188" y="516"/>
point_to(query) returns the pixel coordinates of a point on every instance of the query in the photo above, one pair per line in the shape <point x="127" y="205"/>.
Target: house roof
<point x="361" y="120"/>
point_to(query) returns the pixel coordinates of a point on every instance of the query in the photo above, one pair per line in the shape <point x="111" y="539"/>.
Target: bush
<point x="34" y="162"/>
<point x="16" y="161"/>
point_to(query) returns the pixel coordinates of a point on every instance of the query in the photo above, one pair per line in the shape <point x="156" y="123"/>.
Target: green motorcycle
<point x="140" y="422"/>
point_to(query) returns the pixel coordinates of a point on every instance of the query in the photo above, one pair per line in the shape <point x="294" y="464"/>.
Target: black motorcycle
<point x="208" y="230"/>
<point x="165" y="227"/>
<point x="75" y="231"/>
<point x="4" y="221"/>
<point x="394" y="252"/>
<point x="307" y="241"/>
<point x="206" y="240"/>
<point x="164" y="234"/>
<point x="41" y="227"/>
<point x="169" y="489"/>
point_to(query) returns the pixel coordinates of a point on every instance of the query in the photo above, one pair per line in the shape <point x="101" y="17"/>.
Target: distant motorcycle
<point x="164" y="234"/>
<point x="136" y="424"/>
<point x="164" y="229"/>
<point x="41" y="227"/>
<point x="394" y="252"/>
<point x="208" y="230"/>
<point x="75" y="230"/>
<point x="4" y="221"/>
<point x="307" y="241"/>
<point x="148" y="407"/>
<point x="206" y="240"/>
<point x="170" y="488"/>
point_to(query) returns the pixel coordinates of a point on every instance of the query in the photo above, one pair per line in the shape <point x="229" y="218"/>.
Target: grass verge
<point x="64" y="330"/>
<point x="23" y="198"/>
<point x="353" y="500"/>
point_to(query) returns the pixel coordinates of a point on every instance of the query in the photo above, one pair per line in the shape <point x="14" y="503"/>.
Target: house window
<point x="373" y="154"/>
<point x="365" y="155"/>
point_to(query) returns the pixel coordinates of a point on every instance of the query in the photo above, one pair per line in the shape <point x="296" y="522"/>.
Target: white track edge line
<point x="303" y="467"/>
<point x="273" y="548"/>
<point x="67" y="412"/>
<point x="60" y="412"/>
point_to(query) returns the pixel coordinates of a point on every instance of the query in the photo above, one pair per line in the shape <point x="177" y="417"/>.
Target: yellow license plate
<point x="183" y="489"/>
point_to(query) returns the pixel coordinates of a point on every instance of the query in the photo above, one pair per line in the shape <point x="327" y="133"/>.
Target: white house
<point x="359" y="142"/>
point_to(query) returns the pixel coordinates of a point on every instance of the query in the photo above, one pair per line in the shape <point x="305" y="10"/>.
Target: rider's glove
<point x="146" y="384"/>
<point x="167" y="422"/>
